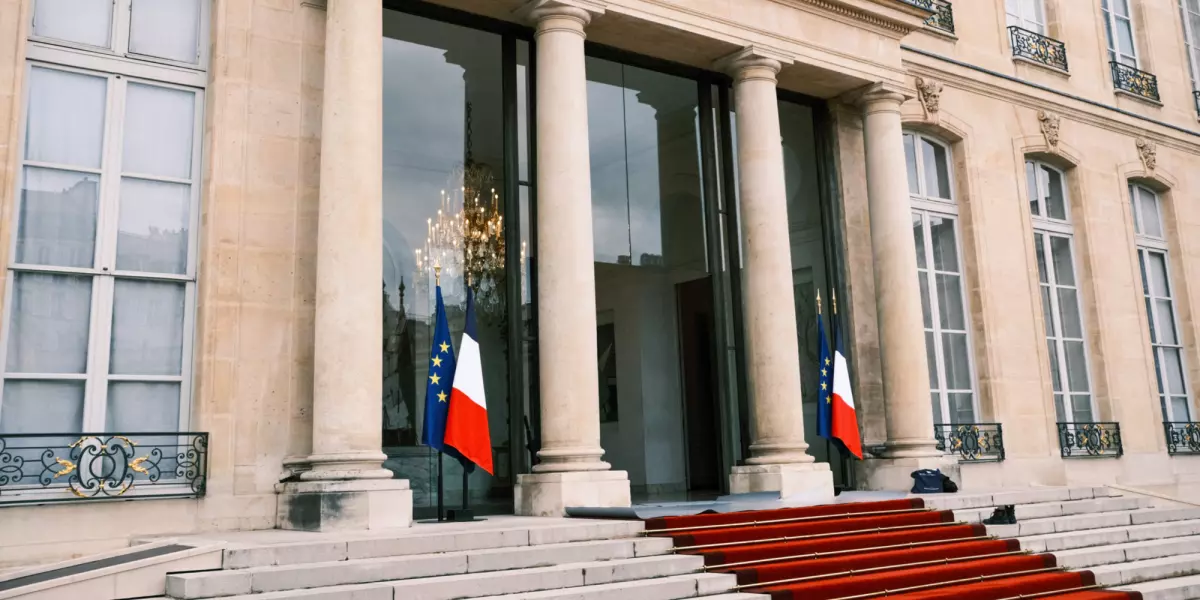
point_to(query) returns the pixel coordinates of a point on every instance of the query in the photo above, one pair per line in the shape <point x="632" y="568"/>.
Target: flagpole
<point x="437" y="281"/>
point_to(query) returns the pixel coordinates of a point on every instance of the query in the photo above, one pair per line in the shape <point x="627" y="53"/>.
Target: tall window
<point x="1160" y="303"/>
<point x="1118" y="27"/>
<point x="1053" y="244"/>
<point x="98" y="325"/>
<point x="1190" y="12"/>
<point x="939" y="271"/>
<point x="1027" y="14"/>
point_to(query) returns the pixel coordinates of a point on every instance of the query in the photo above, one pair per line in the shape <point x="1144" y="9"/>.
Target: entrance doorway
<point x="700" y="384"/>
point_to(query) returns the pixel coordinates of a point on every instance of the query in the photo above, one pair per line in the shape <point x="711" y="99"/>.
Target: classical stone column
<point x="898" y="296"/>
<point x="778" y="458"/>
<point x="346" y="486"/>
<point x="570" y="472"/>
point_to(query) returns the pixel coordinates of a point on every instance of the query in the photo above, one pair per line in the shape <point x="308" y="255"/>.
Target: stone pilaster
<point x="778" y="458"/>
<point x="345" y="485"/>
<point x="571" y="472"/>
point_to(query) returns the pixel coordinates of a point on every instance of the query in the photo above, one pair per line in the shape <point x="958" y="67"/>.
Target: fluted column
<point x="778" y="458"/>
<point x="346" y="486"/>
<point x="570" y="471"/>
<point x="898" y="296"/>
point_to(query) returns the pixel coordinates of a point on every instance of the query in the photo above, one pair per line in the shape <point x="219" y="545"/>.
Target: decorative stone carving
<point x="929" y="92"/>
<point x="1149" y="153"/>
<point x="1049" y="123"/>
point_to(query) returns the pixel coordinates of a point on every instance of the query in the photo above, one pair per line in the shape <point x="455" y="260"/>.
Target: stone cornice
<point x="892" y="15"/>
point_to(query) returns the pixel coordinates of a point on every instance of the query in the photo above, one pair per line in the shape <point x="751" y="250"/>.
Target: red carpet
<point x="893" y="549"/>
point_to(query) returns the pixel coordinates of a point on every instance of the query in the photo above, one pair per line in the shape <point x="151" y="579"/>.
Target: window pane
<point x="166" y="28"/>
<point x="1108" y="29"/>
<point x="950" y="302"/>
<point x="83" y="21"/>
<point x="1082" y="408"/>
<point x="1060" y="251"/>
<point x="49" y="325"/>
<point x="42" y="407"/>
<point x="135" y="406"/>
<point x="1174" y="370"/>
<point x="919" y="240"/>
<point x="931" y="358"/>
<point x="1031" y="184"/>
<point x="1158" y="370"/>
<point x="1076" y="366"/>
<point x="958" y="370"/>
<point x="945" y="247"/>
<point x="1125" y="37"/>
<point x="1047" y="311"/>
<point x="1059" y="412"/>
<point x="1179" y="409"/>
<point x="934" y="399"/>
<point x="937" y="172"/>
<point x="962" y="408"/>
<point x="1158" y="275"/>
<point x="1056" y="203"/>
<point x="1152" y="217"/>
<point x="1039" y="247"/>
<point x="66" y="117"/>
<point x="1142" y="265"/>
<point x="57" y="218"/>
<point x="147" y="336"/>
<point x="1166" y="322"/>
<point x="1133" y="207"/>
<point x="910" y="157"/>
<point x="1068" y="309"/>
<point x="1150" y="318"/>
<point x="926" y="311"/>
<point x="158" y="131"/>
<point x="152" y="234"/>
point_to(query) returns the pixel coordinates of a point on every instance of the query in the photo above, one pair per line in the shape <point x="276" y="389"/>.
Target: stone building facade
<point x="653" y="192"/>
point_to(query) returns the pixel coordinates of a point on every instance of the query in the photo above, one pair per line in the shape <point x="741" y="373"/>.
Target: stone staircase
<point x="505" y="557"/>
<point x="1128" y="542"/>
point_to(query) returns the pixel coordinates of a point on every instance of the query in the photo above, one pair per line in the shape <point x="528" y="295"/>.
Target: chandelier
<point x="466" y="239"/>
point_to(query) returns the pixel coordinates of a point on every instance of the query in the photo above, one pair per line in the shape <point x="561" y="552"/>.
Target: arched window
<point x="1165" y="340"/>
<point x="1053" y="238"/>
<point x="939" y="268"/>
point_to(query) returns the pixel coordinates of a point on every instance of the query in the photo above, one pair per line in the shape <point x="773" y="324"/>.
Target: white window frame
<point x="1044" y="228"/>
<point x="1026" y="15"/>
<point x="1147" y="244"/>
<point x="1191" y="40"/>
<point x="1112" y="19"/>
<point x="927" y="206"/>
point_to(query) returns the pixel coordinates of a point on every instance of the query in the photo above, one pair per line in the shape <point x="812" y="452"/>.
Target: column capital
<point x="541" y="12"/>
<point x="879" y="96"/>
<point x="754" y="62"/>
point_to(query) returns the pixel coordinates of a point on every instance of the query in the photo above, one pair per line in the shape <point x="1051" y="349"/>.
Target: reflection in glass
<point x="152" y="229"/>
<point x="58" y="218"/>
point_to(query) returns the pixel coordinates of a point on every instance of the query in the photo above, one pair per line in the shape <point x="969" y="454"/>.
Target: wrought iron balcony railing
<point x="943" y="17"/>
<point x="1090" y="440"/>
<point x="53" y="467"/>
<point x="971" y="442"/>
<point x="925" y="4"/>
<point x="1038" y="48"/>
<point x="1134" y="81"/>
<point x="1182" y="437"/>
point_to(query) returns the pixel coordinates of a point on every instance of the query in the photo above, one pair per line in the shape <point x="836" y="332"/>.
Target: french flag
<point x="467" y="423"/>
<point x="845" y="419"/>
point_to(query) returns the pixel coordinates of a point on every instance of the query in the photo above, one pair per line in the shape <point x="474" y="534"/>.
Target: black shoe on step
<point x="1003" y="515"/>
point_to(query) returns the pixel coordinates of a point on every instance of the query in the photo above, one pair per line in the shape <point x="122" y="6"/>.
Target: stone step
<point x="1018" y="497"/>
<point x="427" y="539"/>
<point x="1174" y="588"/>
<point x="1183" y="565"/>
<point x="663" y="588"/>
<point x="1058" y="508"/>
<point x="547" y="578"/>
<point x="1098" y="520"/>
<point x="210" y="584"/>
<point x="1124" y="553"/>
<point x="1088" y="538"/>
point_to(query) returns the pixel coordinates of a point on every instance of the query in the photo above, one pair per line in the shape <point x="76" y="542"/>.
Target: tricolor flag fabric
<point x="437" y="384"/>
<point x="467" y="424"/>
<point x="845" y="420"/>
<point x="824" y="382"/>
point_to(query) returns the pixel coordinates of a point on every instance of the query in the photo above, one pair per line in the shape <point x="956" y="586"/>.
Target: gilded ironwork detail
<point x="1090" y="440"/>
<point x="1134" y="81"/>
<point x="1038" y="48"/>
<point x="971" y="442"/>
<point x="97" y="466"/>
<point x="925" y="4"/>
<point x="1182" y="437"/>
<point x="942" y="18"/>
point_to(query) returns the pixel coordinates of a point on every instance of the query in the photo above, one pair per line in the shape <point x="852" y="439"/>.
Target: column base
<point x="350" y="505"/>
<point x="895" y="474"/>
<point x="549" y="494"/>
<point x="814" y="480"/>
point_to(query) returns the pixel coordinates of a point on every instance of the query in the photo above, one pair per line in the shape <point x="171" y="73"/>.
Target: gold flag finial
<point x="818" y="302"/>
<point x="437" y="275"/>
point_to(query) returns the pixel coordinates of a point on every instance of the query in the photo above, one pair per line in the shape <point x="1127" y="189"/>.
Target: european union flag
<point x="825" y="381"/>
<point x="439" y="383"/>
